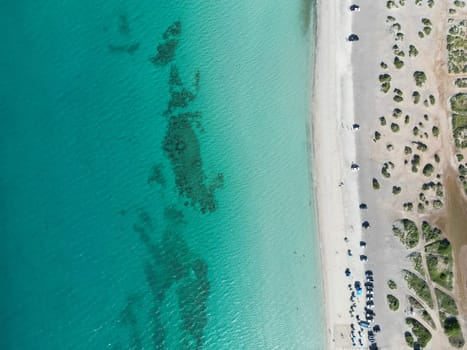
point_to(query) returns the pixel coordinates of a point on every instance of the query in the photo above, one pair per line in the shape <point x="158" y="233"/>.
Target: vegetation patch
<point x="407" y="232"/>
<point x="396" y="112"/>
<point x="408" y="206"/>
<point x="428" y="169"/>
<point x="456" y="43"/>
<point x="409" y="339"/>
<point x="445" y="302"/>
<point x="452" y="329"/>
<point x="393" y="302"/>
<point x="396" y="190"/>
<point x="419" y="77"/>
<point x="420" y="146"/>
<point x="419" y="286"/>
<point x="459" y="119"/>
<point x="463" y="175"/>
<point x="415" y="162"/>
<point x="427" y="30"/>
<point x="375" y="184"/>
<point x="398" y="63"/>
<point x="413" y="52"/>
<point x="430" y="233"/>
<point x="423" y="335"/>
<point x="417" y="262"/>
<point x="377" y="136"/>
<point x="427" y="318"/>
<point x="392" y="285"/>
<point x="384" y="170"/>
<point x="439" y="261"/>
<point x="395" y="127"/>
<point x="461" y="82"/>
<point x="415" y="97"/>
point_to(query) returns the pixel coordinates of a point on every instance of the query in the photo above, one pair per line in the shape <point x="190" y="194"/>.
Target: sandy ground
<point x="334" y="151"/>
<point x="347" y="91"/>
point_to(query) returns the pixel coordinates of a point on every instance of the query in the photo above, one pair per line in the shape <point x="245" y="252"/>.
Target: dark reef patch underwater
<point x="172" y="268"/>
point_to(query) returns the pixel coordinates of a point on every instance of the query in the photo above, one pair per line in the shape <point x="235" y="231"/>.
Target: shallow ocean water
<point x="155" y="185"/>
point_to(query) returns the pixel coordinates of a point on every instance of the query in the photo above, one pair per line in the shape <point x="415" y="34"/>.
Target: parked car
<point x="353" y="37"/>
<point x="355" y="167"/>
<point x="354" y="8"/>
<point x="363" y="258"/>
<point x="363" y="244"/>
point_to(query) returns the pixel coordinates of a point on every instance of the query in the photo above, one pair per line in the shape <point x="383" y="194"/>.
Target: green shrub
<point x="384" y="170"/>
<point x="384" y="78"/>
<point x="432" y="99"/>
<point x="398" y="98"/>
<point x="413" y="52"/>
<point x="396" y="112"/>
<point x="419" y="77"/>
<point x="428" y="169"/>
<point x="427" y="30"/>
<point x="395" y="127"/>
<point x="459" y="119"/>
<point x="451" y="326"/>
<point x="419" y="286"/>
<point x="385" y="87"/>
<point x="407" y="232"/>
<point x="382" y="121"/>
<point x="461" y="82"/>
<point x="396" y="190"/>
<point x="422" y="334"/>
<point x="430" y="233"/>
<point x="375" y="184"/>
<point x="398" y="63"/>
<point x="377" y="136"/>
<point x="393" y="302"/>
<point x="409" y="339"/>
<point x="408" y="206"/>
<point x="426" y="22"/>
<point x="435" y="131"/>
<point x="446" y="302"/>
<point x="392" y="284"/>
<point x="416" y="258"/>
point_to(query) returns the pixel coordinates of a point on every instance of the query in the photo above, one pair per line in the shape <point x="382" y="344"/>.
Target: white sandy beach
<point x="334" y="151"/>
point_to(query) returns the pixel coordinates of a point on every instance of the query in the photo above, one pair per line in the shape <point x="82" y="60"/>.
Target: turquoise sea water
<point x="154" y="187"/>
